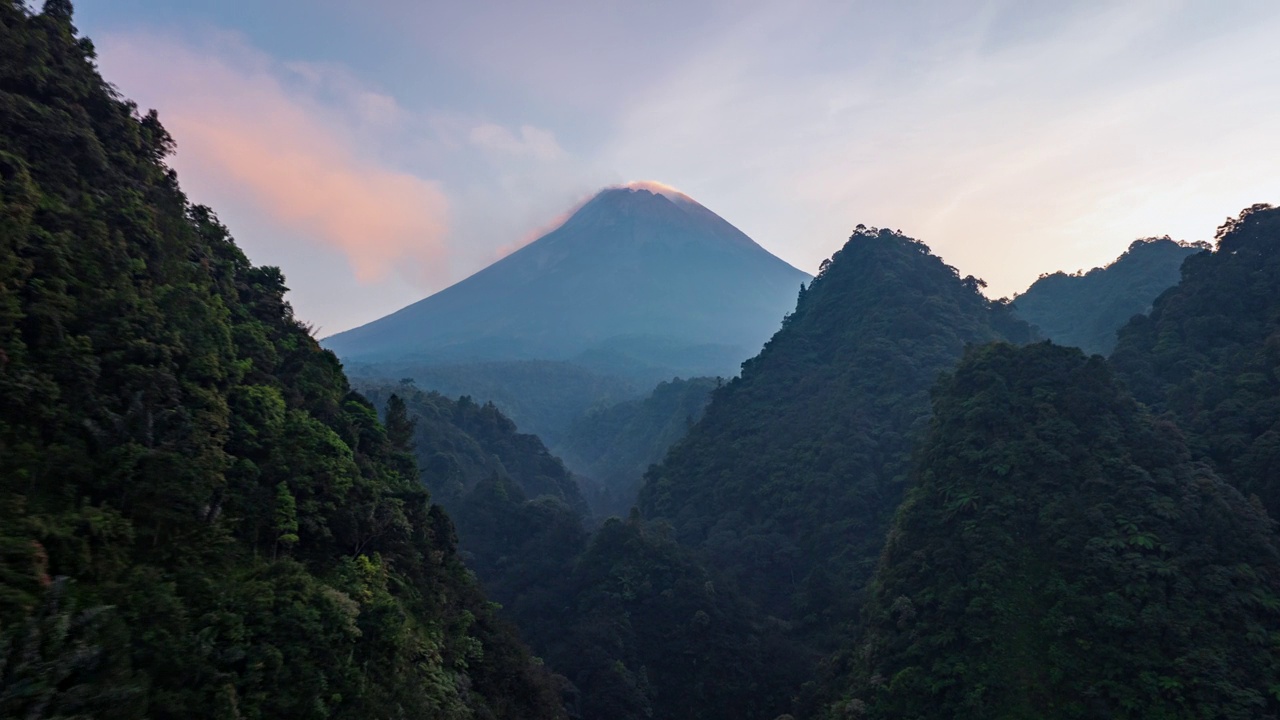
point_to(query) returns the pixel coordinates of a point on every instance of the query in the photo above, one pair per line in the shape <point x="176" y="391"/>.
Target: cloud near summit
<point x="262" y="136"/>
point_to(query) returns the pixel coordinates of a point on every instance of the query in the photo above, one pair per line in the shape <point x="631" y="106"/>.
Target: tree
<point x="399" y="425"/>
<point x="286" y="517"/>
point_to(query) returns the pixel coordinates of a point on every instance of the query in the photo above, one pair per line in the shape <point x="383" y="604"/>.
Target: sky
<point x="379" y="151"/>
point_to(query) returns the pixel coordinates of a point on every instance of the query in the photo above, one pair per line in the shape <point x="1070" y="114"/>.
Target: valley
<point x="639" y="468"/>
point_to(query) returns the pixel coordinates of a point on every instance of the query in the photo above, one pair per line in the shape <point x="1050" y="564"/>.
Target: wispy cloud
<point x="527" y="141"/>
<point x="1015" y="138"/>
<point x="1012" y="143"/>
<point x="270" y="136"/>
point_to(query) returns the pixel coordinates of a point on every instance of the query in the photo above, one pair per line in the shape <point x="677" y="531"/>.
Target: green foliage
<point x="654" y="635"/>
<point x="543" y="397"/>
<point x="1061" y="556"/>
<point x="286" y="525"/>
<point x="634" y="622"/>
<point x="1209" y="354"/>
<point x="461" y="443"/>
<point x="249" y="540"/>
<point x="399" y="425"/>
<point x="612" y="447"/>
<point x="55" y="665"/>
<point x="788" y="481"/>
<point x="1085" y="310"/>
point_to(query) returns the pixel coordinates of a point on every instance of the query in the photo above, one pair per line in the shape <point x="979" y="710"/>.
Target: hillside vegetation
<point x="1209" y="354"/>
<point x="789" y="480"/>
<point x="904" y="507"/>
<point x="1086" y="310"/>
<point x="1061" y="555"/>
<point x="612" y="447"/>
<point x="198" y="518"/>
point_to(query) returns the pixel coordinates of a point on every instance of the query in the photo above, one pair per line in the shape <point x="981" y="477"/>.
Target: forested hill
<point x="1209" y="353"/>
<point x="198" y="518"/>
<point x="638" y="625"/>
<point x="788" y="481"/>
<point x="543" y="397"/>
<point x="1061" y="555"/>
<point x="465" y="443"/>
<point x="612" y="447"/>
<point x="1086" y="310"/>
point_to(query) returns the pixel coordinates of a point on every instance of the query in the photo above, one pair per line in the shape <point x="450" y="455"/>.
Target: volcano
<point x="639" y="275"/>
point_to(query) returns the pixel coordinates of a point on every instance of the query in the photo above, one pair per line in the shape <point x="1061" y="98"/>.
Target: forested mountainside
<point x="1209" y="352"/>
<point x="790" y="478"/>
<point x="610" y="448"/>
<point x="1085" y="310"/>
<point x="541" y="396"/>
<point x="1062" y="555"/>
<point x="464" y="443"/>
<point x="198" y="518"/>
<point x="632" y="619"/>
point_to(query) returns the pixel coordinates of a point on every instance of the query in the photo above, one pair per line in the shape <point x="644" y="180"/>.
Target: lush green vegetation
<point x="462" y="443"/>
<point x="1085" y="310"/>
<point x="198" y="518"/>
<point x="789" y="480"/>
<point x="1061" y="555"/>
<point x="541" y="396"/>
<point x="612" y="447"/>
<point x="1209" y="354"/>
<point x="628" y="616"/>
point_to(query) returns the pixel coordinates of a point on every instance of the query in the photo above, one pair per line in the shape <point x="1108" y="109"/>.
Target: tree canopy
<point x="1085" y="310"/>
<point x="789" y="479"/>
<point x="1209" y="353"/>
<point x="1061" y="555"/>
<point x="198" y="518"/>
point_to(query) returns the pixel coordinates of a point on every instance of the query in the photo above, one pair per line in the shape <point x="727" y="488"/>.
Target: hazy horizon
<point x="429" y="139"/>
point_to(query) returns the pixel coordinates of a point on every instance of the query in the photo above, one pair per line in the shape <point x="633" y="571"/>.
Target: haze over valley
<point x="430" y="414"/>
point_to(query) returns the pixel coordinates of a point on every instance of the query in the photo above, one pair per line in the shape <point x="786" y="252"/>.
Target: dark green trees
<point x="654" y="635"/>
<point x="612" y="447"/>
<point x="630" y="617"/>
<point x="198" y="518"/>
<point x="1085" y="310"/>
<point x="1209" y="353"/>
<point x="788" y="481"/>
<point x="1062" y="556"/>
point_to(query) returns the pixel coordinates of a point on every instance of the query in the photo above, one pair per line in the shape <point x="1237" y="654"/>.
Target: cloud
<point x="1012" y="143"/>
<point x="531" y="141"/>
<point x="542" y="229"/>
<point x="290" y="142"/>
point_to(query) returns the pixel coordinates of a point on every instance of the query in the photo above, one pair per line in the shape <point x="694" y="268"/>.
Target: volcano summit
<point x="640" y="275"/>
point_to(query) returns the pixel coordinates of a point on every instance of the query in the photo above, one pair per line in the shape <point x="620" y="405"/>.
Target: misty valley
<point x="641" y="468"/>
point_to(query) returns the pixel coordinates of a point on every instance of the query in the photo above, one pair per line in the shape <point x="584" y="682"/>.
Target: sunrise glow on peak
<point x="657" y="188"/>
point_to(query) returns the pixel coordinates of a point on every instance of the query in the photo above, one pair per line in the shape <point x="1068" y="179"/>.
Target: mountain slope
<point x="631" y="618"/>
<point x="1085" y="311"/>
<point x="1209" y="353"/>
<point x="198" y="518"/>
<point x="612" y="447"/>
<point x="788" y="481"/>
<point x="637" y="275"/>
<point x="464" y="443"/>
<point x="543" y="397"/>
<point x="1062" y="556"/>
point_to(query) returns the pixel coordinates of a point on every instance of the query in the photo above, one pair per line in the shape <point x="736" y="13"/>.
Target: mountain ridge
<point x="629" y="263"/>
<point x="1087" y="309"/>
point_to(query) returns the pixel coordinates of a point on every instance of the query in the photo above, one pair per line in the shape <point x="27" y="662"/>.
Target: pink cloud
<point x="243" y="132"/>
<point x="531" y="141"/>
